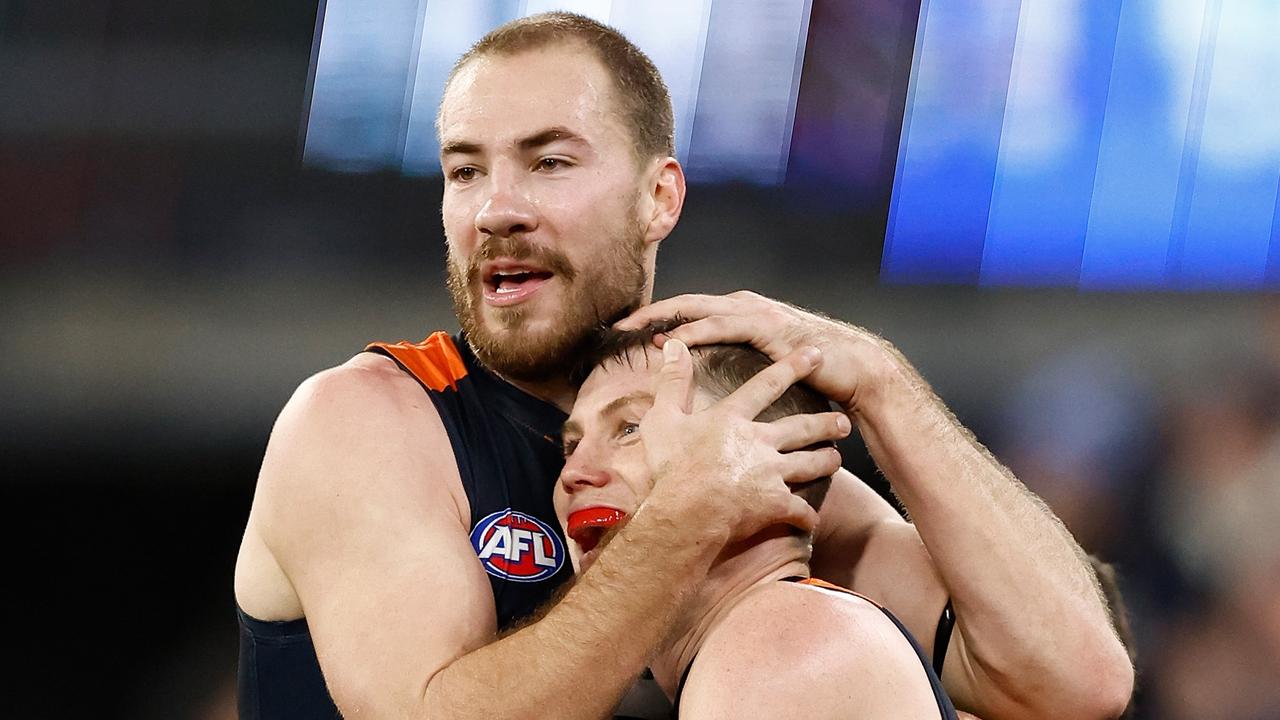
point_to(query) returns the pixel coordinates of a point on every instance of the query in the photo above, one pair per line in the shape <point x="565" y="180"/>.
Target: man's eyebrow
<point x="548" y="136"/>
<point x="619" y="403"/>
<point x="532" y="142"/>
<point x="571" y="427"/>
<point x="459" y="147"/>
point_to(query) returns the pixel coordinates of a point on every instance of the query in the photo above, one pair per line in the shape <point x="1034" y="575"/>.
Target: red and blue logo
<point x="515" y="546"/>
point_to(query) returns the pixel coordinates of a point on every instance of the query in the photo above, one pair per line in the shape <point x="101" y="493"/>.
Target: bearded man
<point x="402" y="525"/>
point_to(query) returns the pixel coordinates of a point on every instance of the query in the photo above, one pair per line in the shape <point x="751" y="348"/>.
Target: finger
<point x="674" y="385"/>
<point x="802" y="466"/>
<point x="716" y="330"/>
<point x="689" y="307"/>
<point x="800" y="514"/>
<point x="769" y="384"/>
<point x="800" y="431"/>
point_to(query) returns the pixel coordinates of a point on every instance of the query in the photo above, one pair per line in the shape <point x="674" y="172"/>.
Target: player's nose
<point x="580" y="475"/>
<point x="508" y="210"/>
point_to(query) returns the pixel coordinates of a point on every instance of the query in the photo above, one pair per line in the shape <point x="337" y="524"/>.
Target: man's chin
<point x="532" y="350"/>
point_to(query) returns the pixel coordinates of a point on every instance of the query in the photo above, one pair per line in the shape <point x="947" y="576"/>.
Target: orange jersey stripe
<point x="815" y="582"/>
<point x="434" y="361"/>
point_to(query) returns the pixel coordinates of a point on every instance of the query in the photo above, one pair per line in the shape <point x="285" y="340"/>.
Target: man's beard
<point x="607" y="289"/>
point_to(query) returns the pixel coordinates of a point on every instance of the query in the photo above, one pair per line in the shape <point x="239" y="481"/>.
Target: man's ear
<point x="665" y="194"/>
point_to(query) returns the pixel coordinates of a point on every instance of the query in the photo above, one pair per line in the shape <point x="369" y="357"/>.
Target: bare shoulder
<point x="359" y="516"/>
<point x="368" y="387"/>
<point x="365" y="412"/>
<point x="789" y="650"/>
<point x="357" y="446"/>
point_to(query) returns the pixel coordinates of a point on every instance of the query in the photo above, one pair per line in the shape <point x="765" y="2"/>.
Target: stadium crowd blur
<point x="1177" y="483"/>
<point x="168" y="275"/>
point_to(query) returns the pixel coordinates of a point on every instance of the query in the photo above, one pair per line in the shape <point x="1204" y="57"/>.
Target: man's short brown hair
<point x="718" y="370"/>
<point x="642" y="96"/>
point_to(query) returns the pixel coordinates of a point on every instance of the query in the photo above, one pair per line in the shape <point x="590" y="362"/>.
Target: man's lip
<point x="491" y="282"/>
<point x="512" y="296"/>
<point x="586" y="526"/>
<point x="489" y="268"/>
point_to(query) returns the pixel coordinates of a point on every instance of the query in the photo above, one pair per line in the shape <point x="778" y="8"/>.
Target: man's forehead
<point x="613" y="385"/>
<point x="635" y="369"/>
<point x="499" y="98"/>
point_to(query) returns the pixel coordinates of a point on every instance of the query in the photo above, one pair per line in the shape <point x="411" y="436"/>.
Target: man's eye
<point x="466" y="173"/>
<point x="628" y="429"/>
<point x="569" y="447"/>
<point x="550" y="163"/>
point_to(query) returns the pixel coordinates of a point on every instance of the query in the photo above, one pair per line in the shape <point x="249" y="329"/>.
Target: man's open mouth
<point x="588" y="525"/>
<point x="507" y="283"/>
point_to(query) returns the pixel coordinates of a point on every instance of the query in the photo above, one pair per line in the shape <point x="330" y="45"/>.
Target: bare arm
<point x="360" y="504"/>
<point x="1033" y="639"/>
<point x="1031" y="619"/>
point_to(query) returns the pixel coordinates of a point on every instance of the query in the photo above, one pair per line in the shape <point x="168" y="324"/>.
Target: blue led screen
<point x="1127" y="144"/>
<point x="733" y="70"/>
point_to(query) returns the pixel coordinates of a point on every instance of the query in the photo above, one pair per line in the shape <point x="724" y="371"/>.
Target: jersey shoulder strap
<point x="435" y="361"/>
<point x="831" y="586"/>
<point x="939" y="694"/>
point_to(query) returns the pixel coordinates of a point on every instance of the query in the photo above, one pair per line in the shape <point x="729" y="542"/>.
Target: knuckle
<point x="799" y="363"/>
<point x="776" y="384"/>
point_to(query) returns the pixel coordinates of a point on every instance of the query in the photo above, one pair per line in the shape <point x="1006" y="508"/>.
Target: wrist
<point x="680" y="528"/>
<point x="883" y="374"/>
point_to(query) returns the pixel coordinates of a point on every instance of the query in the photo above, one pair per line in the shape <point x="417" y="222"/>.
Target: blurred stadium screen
<point x="378" y="71"/>
<point x="1102" y="145"/>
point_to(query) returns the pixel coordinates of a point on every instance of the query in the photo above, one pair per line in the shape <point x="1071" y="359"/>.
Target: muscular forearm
<point x="1035" y="627"/>
<point x="579" y="659"/>
<point x="1037" y="631"/>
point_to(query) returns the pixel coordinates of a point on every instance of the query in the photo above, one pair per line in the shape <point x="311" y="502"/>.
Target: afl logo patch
<point x="515" y="546"/>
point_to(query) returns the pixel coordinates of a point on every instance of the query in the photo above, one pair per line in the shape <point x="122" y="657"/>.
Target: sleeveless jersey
<point x="507" y="447"/>
<point x="946" y="710"/>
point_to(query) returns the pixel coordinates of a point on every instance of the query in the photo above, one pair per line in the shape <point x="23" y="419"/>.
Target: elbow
<point x="1097" y="689"/>
<point x="1108" y="699"/>
<point x="1107" y="681"/>
<point x="1112" y="688"/>
<point x="1069" y="683"/>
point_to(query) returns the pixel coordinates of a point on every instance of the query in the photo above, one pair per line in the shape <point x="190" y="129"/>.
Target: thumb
<point x="675" y="380"/>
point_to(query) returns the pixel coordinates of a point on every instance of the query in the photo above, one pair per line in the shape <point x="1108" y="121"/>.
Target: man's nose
<point x="508" y="210"/>
<point x="580" y="475"/>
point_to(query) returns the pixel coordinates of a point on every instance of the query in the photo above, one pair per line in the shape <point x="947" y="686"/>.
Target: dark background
<point x="169" y="273"/>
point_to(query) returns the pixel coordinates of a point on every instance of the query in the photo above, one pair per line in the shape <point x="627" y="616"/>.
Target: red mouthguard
<point x="588" y="525"/>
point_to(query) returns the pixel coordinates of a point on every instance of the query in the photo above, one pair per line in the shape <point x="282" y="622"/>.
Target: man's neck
<point x="758" y="561"/>
<point x="557" y="392"/>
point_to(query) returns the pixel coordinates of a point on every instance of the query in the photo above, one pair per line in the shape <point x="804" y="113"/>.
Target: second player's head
<point x="556" y="145"/>
<point x="606" y="477"/>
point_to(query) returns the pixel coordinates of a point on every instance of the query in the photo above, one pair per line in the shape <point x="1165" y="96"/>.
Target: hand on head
<point x="727" y="469"/>
<point x="853" y="359"/>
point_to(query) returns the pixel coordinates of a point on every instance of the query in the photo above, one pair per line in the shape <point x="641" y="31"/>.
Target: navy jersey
<point x="507" y="447"/>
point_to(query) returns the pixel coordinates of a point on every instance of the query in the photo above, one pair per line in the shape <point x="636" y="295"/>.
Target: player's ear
<point x="664" y="192"/>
